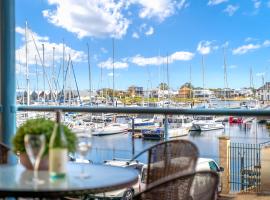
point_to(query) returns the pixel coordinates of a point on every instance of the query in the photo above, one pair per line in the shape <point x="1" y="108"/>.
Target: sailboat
<point x="205" y="124"/>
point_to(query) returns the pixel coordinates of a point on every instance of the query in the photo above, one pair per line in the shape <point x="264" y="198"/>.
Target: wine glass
<point x="35" y="146"/>
<point x="83" y="147"/>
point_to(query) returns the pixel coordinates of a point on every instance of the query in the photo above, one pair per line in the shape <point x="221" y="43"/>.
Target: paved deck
<point x="245" y="197"/>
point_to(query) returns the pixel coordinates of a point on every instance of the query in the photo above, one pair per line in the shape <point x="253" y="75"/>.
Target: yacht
<point x="206" y="125"/>
<point x="111" y="129"/>
<point x="143" y="122"/>
<point x="177" y="132"/>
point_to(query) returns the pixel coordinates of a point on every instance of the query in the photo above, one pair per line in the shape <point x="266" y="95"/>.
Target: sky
<point x="153" y="41"/>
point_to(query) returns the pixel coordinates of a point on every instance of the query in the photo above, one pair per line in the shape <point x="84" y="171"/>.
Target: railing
<point x="143" y="110"/>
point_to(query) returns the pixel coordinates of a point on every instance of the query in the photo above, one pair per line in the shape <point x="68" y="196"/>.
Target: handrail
<point x="144" y="110"/>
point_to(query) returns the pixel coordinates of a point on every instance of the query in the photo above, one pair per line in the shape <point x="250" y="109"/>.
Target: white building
<point x="200" y="93"/>
<point x="263" y="93"/>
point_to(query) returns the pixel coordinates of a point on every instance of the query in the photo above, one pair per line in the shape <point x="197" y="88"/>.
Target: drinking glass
<point x="35" y="146"/>
<point x="83" y="147"/>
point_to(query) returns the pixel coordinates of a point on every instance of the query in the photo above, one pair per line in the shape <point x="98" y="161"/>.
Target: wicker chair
<point x="182" y="187"/>
<point x="169" y="159"/>
<point x="3" y="153"/>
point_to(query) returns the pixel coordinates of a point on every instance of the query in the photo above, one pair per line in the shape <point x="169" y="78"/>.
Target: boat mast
<point x="225" y="76"/>
<point x="43" y="67"/>
<point x="89" y="75"/>
<point x="113" y="70"/>
<point x="190" y="80"/>
<point x="63" y="71"/>
<point x="26" y="65"/>
<point x="168" y="82"/>
<point x="159" y="72"/>
<point x="37" y="78"/>
<point x="203" y="80"/>
<point x="53" y="77"/>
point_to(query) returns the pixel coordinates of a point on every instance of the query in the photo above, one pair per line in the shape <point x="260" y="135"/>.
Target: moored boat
<point x="207" y="125"/>
<point x="111" y="129"/>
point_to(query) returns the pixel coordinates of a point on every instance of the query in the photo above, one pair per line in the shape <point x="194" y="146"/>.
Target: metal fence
<point x="245" y="169"/>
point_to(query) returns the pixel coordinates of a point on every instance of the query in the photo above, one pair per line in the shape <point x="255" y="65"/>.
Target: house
<point x="225" y="93"/>
<point x="202" y="93"/>
<point x="135" y="91"/>
<point x="263" y="93"/>
<point x="185" y="92"/>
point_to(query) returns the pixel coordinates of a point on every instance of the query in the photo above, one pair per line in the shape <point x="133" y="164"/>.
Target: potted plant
<point x="39" y="126"/>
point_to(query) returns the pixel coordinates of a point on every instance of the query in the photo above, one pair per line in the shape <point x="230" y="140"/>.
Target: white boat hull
<point x="177" y="132"/>
<point x="206" y="126"/>
<point x="111" y="130"/>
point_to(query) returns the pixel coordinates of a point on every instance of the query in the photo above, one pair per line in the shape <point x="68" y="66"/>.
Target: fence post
<point x="224" y="161"/>
<point x="265" y="169"/>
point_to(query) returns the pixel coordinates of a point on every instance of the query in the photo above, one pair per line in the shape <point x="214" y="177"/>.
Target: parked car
<point x="126" y="193"/>
<point x="203" y="164"/>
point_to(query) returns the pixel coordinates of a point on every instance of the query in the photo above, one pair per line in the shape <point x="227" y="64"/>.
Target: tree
<point x="188" y="85"/>
<point x="163" y="86"/>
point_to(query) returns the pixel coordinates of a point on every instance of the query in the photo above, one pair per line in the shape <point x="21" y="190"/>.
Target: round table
<point x="14" y="181"/>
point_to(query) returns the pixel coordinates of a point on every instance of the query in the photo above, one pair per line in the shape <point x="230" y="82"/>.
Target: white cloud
<point x="260" y="74"/>
<point x="21" y="31"/>
<point x="111" y="74"/>
<point x="233" y="66"/>
<point x="250" y="39"/>
<point x="150" y="31"/>
<point x="108" y="64"/>
<point x="142" y="61"/>
<point x="245" y="49"/>
<point x="76" y="56"/>
<point x="103" y="50"/>
<point x="206" y="47"/>
<point x="266" y="43"/>
<point x="97" y="18"/>
<point x="135" y="35"/>
<point x="250" y="47"/>
<point x="216" y="2"/>
<point x="182" y="55"/>
<point x="225" y="44"/>
<point x="257" y="4"/>
<point x="231" y="9"/>
<point x="159" y="9"/>
<point x="158" y="60"/>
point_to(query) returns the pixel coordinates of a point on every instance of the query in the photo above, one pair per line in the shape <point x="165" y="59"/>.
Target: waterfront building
<point x="135" y="91"/>
<point x="201" y="93"/>
<point x="185" y="92"/>
<point x="263" y="93"/>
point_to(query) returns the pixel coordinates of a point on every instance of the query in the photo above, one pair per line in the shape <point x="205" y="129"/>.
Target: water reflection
<point x="120" y="145"/>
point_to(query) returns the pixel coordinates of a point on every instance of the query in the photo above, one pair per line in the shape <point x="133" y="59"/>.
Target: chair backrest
<point x="3" y="153"/>
<point x="182" y="187"/>
<point x="204" y="186"/>
<point x="170" y="158"/>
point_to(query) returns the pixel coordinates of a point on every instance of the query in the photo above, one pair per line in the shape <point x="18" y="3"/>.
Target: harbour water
<point x="121" y="146"/>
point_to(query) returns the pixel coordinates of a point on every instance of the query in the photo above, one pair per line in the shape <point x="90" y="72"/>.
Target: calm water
<point x="120" y="145"/>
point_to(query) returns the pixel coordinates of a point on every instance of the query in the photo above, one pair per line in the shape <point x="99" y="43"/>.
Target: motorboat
<point x="206" y="125"/>
<point x="143" y="123"/>
<point x="111" y="129"/>
<point x="177" y="132"/>
<point x="153" y="134"/>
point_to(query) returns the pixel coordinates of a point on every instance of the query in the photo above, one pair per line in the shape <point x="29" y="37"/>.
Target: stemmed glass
<point x="35" y="146"/>
<point x="83" y="147"/>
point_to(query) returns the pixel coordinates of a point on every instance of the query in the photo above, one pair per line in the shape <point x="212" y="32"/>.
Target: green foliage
<point x="40" y="126"/>
<point x="163" y="86"/>
<point x="188" y="85"/>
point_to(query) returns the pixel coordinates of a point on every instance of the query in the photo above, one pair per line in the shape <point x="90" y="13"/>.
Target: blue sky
<point x="145" y="33"/>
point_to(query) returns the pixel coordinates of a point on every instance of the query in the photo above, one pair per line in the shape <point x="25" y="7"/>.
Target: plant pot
<point x="24" y="160"/>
